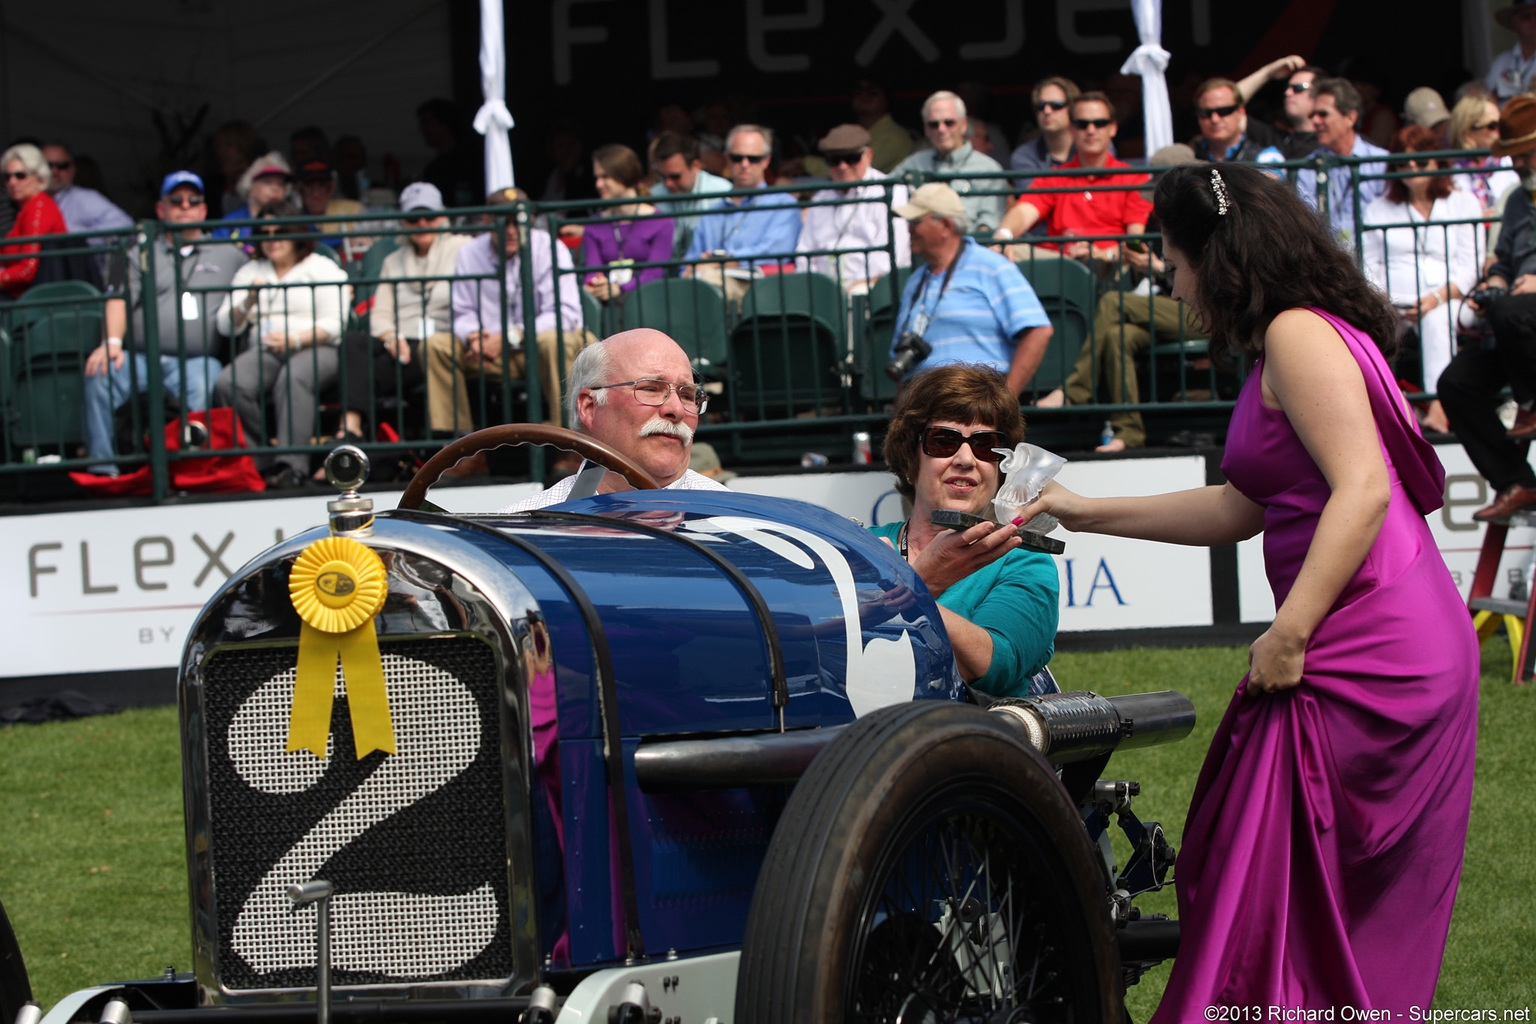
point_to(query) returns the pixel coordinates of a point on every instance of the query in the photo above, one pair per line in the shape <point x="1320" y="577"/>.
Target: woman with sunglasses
<point x="1425" y="269"/>
<point x="1475" y="125"/>
<point x="290" y="299"/>
<point x="620" y="241"/>
<point x="1324" y="841"/>
<point x="999" y="601"/>
<point x="26" y="184"/>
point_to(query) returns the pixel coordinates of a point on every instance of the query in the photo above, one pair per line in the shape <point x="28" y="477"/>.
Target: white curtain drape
<point x="494" y="120"/>
<point x="1150" y="60"/>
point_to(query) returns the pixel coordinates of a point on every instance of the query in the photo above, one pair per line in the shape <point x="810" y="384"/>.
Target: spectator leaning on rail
<point x="852" y="224"/>
<point x="945" y="124"/>
<point x="477" y="346"/>
<point x="967" y="303"/>
<point x="675" y="159"/>
<point x="407" y="310"/>
<point x="636" y="393"/>
<point x="84" y="209"/>
<point x="761" y="225"/>
<point x="1087" y="210"/>
<point x="26" y="182"/>
<point x="185" y="319"/>
<point x="1470" y="387"/>
<point x="1335" y="111"/>
<point x="1511" y="71"/>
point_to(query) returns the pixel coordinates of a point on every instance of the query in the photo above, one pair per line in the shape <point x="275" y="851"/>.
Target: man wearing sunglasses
<point x="945" y="124"/>
<point x="1089" y="209"/>
<point x="675" y="159"/>
<point x="1224" y="130"/>
<point x="1052" y="98"/>
<point x="188" y="342"/>
<point x="748" y="232"/>
<point x="635" y="392"/>
<point x="1335" y="113"/>
<point x="852" y="224"/>
<point x="84" y="209"/>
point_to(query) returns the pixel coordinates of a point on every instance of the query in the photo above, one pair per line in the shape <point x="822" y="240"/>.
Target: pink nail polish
<point x="1018" y="520"/>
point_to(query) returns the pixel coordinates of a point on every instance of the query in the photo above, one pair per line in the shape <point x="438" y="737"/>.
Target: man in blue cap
<point x="187" y="343"/>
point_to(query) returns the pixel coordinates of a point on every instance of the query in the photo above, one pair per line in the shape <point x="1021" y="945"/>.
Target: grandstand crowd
<point x="950" y="225"/>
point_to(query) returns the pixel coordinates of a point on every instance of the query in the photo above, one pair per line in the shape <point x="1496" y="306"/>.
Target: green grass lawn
<point x="94" y="876"/>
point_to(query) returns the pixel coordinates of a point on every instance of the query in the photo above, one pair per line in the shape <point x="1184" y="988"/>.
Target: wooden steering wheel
<point x="522" y="433"/>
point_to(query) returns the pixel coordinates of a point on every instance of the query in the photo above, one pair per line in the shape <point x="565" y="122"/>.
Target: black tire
<point x="930" y="866"/>
<point x="15" y="988"/>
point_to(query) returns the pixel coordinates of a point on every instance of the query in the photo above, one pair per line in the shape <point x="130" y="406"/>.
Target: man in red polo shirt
<point x="1089" y="211"/>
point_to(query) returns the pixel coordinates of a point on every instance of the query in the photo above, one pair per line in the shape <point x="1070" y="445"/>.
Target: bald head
<point x="658" y="438"/>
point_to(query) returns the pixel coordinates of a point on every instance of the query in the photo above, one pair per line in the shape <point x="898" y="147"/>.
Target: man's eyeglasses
<point x="1082" y="124"/>
<point x="185" y="202"/>
<point x="1051" y="105"/>
<point x="650" y="391"/>
<point x="748" y="158"/>
<point x="17" y="175"/>
<point x="948" y="122"/>
<point x="1299" y="87"/>
<point x="61" y="165"/>
<point x="1209" y="112"/>
<point x="942" y="442"/>
<point x="844" y="159"/>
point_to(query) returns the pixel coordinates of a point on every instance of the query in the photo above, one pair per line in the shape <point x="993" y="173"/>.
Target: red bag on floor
<point x="216" y="474"/>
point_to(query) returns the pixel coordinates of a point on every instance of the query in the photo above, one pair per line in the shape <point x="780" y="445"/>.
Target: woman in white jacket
<point x="286" y="306"/>
<point x="1425" y="266"/>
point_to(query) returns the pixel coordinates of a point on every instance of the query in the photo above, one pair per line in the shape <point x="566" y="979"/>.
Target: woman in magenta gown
<point x="1324" y="840"/>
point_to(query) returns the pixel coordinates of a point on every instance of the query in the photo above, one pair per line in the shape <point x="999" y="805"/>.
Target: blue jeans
<point x="105" y="392"/>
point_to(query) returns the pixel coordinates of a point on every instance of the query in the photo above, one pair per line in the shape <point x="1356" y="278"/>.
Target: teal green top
<point x="1016" y="599"/>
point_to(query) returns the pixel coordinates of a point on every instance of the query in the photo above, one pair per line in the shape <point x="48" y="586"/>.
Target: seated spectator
<point x="1475" y="125"/>
<point x="1335" y="111"/>
<point x="1225" y="133"/>
<point x="288" y="303"/>
<point x="478" y="347"/>
<point x="1087" y="211"/>
<point x="266" y="181"/>
<point x="1298" y="111"/>
<point x="852" y="225"/>
<point x="1425" y="108"/>
<point x="889" y="142"/>
<point x="1424" y="270"/>
<point x="675" y="159"/>
<point x="986" y="137"/>
<point x="409" y="307"/>
<point x="620" y="241"/>
<point x="1470" y="388"/>
<point x="966" y="303"/>
<point x="945" y="124"/>
<point x="26" y="183"/>
<point x="1126" y="320"/>
<point x="317" y="194"/>
<point x="84" y="209"/>
<point x="1052" y="145"/>
<point x="766" y="225"/>
<point x="1512" y="71"/>
<point x="188" y="341"/>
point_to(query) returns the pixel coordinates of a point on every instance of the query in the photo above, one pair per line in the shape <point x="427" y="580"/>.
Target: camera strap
<point x="919" y="318"/>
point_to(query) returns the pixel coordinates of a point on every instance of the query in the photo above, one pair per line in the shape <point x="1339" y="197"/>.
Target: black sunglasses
<point x="844" y="159"/>
<point x="1299" y="87"/>
<point x="1209" y="112"/>
<point x="1050" y="104"/>
<point x="948" y="122"/>
<point x="737" y="158"/>
<point x="1418" y="165"/>
<point x="186" y="202"/>
<point x="1485" y="127"/>
<point x="942" y="442"/>
<point x="18" y="175"/>
<point x="61" y="165"/>
<point x="1084" y="123"/>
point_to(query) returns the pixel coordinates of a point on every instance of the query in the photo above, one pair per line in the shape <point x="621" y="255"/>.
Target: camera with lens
<point x="1487" y="294"/>
<point x="910" y="350"/>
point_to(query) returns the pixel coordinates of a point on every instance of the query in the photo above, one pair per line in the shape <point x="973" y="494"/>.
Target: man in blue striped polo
<point x="967" y="303"/>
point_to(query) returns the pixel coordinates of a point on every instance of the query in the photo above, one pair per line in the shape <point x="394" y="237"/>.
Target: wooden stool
<point x="1487" y="610"/>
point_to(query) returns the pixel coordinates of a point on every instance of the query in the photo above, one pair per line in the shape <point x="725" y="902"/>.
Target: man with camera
<point x="966" y="304"/>
<point x="1469" y="388"/>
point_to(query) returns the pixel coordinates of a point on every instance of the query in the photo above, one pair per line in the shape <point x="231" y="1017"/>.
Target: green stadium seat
<point x="692" y="312"/>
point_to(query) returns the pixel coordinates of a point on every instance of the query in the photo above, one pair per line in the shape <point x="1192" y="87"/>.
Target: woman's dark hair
<point x="1268" y="253"/>
<point x="302" y="235"/>
<point x="621" y="164"/>
<point x="1416" y="139"/>
<point x="960" y="392"/>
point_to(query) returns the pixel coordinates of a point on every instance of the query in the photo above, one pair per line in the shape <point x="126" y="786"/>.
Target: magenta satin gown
<point x="1325" y="836"/>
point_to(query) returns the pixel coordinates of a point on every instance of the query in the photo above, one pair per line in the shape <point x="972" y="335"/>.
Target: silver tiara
<point x="1219" y="190"/>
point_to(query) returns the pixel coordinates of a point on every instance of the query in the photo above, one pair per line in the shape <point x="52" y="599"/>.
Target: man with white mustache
<point x="635" y="392"/>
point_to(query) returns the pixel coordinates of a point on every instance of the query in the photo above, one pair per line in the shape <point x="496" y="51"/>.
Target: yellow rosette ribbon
<point x="337" y="586"/>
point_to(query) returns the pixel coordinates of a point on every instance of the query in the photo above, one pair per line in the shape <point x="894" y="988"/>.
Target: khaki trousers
<point x="449" y="367"/>
<point x="1123" y="325"/>
<point x="733" y="287"/>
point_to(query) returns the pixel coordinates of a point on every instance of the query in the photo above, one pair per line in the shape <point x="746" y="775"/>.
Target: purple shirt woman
<point x="621" y="241"/>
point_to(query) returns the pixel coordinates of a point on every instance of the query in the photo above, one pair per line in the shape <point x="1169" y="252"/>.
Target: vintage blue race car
<point x="648" y="757"/>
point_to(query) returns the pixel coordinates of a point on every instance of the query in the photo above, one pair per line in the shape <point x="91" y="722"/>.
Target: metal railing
<point x="794" y="359"/>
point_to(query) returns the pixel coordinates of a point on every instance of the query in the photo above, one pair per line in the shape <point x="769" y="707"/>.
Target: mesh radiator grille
<point x="415" y="842"/>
